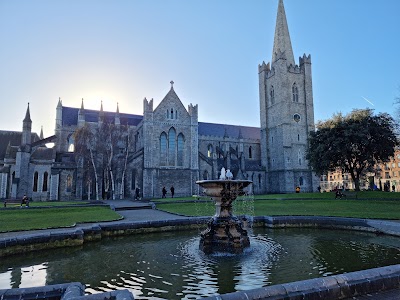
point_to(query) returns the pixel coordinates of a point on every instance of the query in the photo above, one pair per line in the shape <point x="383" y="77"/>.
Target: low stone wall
<point x="333" y="287"/>
<point x="68" y="291"/>
<point x="74" y="237"/>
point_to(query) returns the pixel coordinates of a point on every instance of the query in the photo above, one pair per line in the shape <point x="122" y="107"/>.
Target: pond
<point x="170" y="266"/>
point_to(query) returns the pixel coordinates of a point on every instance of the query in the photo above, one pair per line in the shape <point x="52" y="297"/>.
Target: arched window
<point x="35" y="181"/>
<point x="272" y="94"/>
<point x="250" y="152"/>
<point x="301" y="181"/>
<point x="205" y="175"/>
<point x="209" y="150"/>
<point x="295" y="93"/>
<point x="172" y="113"/>
<point x="69" y="184"/>
<point x="71" y="143"/>
<point x="163" y="149"/>
<point x="45" y="180"/>
<point x="180" y="149"/>
<point x="171" y="146"/>
<point x="167" y="113"/>
<point x="299" y="157"/>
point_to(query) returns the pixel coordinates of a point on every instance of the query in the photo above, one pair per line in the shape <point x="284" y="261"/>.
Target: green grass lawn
<point x="28" y="219"/>
<point x="374" y="205"/>
<point x="48" y="203"/>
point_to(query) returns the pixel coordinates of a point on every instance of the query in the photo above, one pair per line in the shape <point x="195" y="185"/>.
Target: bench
<point x="350" y="195"/>
<point x="346" y="195"/>
<point x="15" y="202"/>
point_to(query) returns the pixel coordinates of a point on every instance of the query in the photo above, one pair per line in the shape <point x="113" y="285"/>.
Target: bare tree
<point x="86" y="144"/>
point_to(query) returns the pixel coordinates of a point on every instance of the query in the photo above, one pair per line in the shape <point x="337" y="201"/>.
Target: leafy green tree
<point x="353" y="143"/>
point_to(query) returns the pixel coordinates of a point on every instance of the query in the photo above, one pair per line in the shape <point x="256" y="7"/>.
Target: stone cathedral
<point x="168" y="146"/>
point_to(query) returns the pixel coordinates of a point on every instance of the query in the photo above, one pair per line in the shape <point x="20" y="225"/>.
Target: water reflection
<point x="170" y="266"/>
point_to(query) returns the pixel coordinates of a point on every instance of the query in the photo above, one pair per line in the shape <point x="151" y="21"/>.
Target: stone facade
<point x="168" y="146"/>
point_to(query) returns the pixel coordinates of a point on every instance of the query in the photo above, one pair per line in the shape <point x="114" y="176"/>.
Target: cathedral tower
<point x="287" y="114"/>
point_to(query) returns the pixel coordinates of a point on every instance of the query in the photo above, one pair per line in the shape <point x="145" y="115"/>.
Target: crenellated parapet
<point x="264" y="67"/>
<point x="294" y="69"/>
<point x="305" y="59"/>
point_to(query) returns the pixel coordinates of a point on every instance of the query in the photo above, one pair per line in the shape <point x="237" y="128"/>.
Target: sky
<point x="122" y="51"/>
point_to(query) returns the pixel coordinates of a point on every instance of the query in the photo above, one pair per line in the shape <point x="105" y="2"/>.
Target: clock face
<point x="296" y="118"/>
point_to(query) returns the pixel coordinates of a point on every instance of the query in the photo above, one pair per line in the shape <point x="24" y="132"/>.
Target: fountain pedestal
<point x="225" y="232"/>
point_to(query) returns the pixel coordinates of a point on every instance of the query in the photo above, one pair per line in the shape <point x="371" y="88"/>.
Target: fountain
<point x="225" y="232"/>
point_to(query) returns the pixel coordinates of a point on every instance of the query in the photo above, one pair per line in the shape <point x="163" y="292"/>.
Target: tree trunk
<point x="95" y="174"/>
<point x="122" y="191"/>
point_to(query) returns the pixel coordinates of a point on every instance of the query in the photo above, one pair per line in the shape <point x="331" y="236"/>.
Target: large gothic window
<point x="163" y="149"/>
<point x="295" y="93"/>
<point x="180" y="150"/>
<point x="171" y="146"/>
<point x="45" y="180"/>
<point x="35" y="181"/>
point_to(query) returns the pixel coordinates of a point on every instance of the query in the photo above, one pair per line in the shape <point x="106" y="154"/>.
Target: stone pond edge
<point x="332" y="287"/>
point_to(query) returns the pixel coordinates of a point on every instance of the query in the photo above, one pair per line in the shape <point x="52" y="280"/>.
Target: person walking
<point x="172" y="191"/>
<point x="164" y="192"/>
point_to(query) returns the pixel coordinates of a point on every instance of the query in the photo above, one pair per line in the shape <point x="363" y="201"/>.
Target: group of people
<point x="164" y="192"/>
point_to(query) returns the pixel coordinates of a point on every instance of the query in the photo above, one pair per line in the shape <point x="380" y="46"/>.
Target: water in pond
<point x="170" y="266"/>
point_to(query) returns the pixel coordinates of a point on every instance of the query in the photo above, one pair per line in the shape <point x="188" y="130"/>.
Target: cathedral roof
<point x="13" y="138"/>
<point x="232" y="131"/>
<point x="43" y="153"/>
<point x="70" y="117"/>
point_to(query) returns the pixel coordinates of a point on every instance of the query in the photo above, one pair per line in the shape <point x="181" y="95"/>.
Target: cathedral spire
<point x="282" y="44"/>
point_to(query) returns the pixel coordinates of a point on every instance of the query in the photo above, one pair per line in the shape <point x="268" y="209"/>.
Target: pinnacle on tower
<point x="82" y="107"/>
<point x="282" y="44"/>
<point x="41" y="136"/>
<point x="27" y="115"/>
